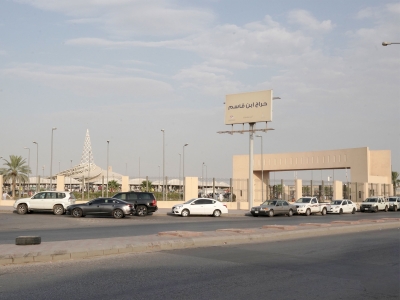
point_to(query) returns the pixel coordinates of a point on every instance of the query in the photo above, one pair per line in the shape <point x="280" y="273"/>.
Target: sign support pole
<point x="251" y="162"/>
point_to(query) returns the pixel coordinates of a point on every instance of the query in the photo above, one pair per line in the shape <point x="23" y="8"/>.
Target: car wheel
<point x="118" y="213"/>
<point x="323" y="212"/>
<point x="308" y="212"/>
<point x="185" y="213"/>
<point x="271" y="213"/>
<point x="290" y="213"/>
<point x="340" y="211"/>
<point x="22" y="209"/>
<point x="217" y="213"/>
<point x="58" y="209"/>
<point x="141" y="211"/>
<point x="353" y="211"/>
<point x="386" y="208"/>
<point x="395" y="208"/>
<point x="376" y="208"/>
<point x="77" y="212"/>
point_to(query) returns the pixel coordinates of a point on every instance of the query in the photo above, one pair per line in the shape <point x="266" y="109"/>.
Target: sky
<point x="125" y="69"/>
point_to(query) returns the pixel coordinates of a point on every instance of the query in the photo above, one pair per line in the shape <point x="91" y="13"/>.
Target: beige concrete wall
<point x="362" y="162"/>
<point x="298" y="184"/>
<point x="1" y="186"/>
<point x="191" y="187"/>
<point x="60" y="183"/>
<point x="337" y="190"/>
<point x="125" y="184"/>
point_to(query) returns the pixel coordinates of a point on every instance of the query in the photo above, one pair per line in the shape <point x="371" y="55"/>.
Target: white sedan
<point x="200" y="206"/>
<point x="342" y="206"/>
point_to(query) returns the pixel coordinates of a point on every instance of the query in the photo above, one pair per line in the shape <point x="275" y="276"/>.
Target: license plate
<point x="256" y="212"/>
<point x="366" y="209"/>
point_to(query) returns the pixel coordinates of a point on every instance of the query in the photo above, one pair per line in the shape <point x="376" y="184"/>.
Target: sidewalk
<point x="78" y="249"/>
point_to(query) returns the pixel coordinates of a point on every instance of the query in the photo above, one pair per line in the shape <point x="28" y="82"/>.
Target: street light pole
<point x="51" y="160"/>
<point x="159" y="178"/>
<point x="183" y="170"/>
<point x="262" y="169"/>
<point x="163" y="168"/>
<point x="37" y="166"/>
<point x="70" y="182"/>
<point x="389" y="43"/>
<point x="108" y="146"/>
<point x="202" y="178"/>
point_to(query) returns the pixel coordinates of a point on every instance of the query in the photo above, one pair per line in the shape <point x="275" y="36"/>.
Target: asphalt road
<point x="59" y="228"/>
<point x="353" y="266"/>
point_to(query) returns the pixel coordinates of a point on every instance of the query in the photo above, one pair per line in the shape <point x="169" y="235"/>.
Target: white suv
<point x="48" y="200"/>
<point x="374" y="204"/>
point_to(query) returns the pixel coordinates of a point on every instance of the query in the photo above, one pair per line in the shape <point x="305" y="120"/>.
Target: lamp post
<point x="163" y="168"/>
<point x="262" y="169"/>
<point x="88" y="193"/>
<point x="159" y="178"/>
<point x="51" y="159"/>
<point x="37" y="166"/>
<point x="183" y="170"/>
<point x="388" y="43"/>
<point x="108" y="146"/>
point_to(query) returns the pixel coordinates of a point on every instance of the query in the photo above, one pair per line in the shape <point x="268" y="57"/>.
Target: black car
<point x="102" y="206"/>
<point x="144" y="202"/>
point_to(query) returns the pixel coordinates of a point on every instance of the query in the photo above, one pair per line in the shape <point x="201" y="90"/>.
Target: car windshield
<point x="269" y="202"/>
<point x="190" y="201"/>
<point x="392" y="199"/>
<point x="336" y="202"/>
<point x="303" y="200"/>
<point x="370" y="200"/>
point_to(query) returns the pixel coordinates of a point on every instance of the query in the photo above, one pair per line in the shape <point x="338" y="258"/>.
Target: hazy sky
<point x="125" y="69"/>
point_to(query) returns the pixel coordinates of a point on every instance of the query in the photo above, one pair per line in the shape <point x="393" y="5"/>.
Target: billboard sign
<point x="250" y="107"/>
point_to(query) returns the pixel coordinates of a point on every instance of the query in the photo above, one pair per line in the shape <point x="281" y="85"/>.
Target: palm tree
<point x="145" y="184"/>
<point x="16" y="171"/>
<point x="395" y="181"/>
<point x="113" y="185"/>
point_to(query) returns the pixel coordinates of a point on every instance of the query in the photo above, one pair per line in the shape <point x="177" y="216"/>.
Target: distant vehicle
<point x="394" y="203"/>
<point x="342" y="206"/>
<point x="145" y="203"/>
<point x="374" y="204"/>
<point x="271" y="208"/>
<point x="102" y="206"/>
<point x="47" y="200"/>
<point x="310" y="205"/>
<point x="200" y="206"/>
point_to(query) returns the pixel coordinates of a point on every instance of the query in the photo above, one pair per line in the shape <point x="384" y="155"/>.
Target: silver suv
<point x="57" y="201"/>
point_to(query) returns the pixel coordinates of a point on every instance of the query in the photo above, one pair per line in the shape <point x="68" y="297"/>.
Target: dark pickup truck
<point x="145" y="203"/>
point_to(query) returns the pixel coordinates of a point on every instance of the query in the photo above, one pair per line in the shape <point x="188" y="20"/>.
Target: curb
<point x="177" y="240"/>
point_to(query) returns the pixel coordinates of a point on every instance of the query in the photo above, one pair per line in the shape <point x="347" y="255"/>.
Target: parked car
<point x="145" y="203"/>
<point x="200" y="206"/>
<point x="342" y="206"/>
<point x="102" y="206"/>
<point x="394" y="203"/>
<point x="310" y="205"/>
<point x="374" y="204"/>
<point x="271" y="208"/>
<point x="47" y="200"/>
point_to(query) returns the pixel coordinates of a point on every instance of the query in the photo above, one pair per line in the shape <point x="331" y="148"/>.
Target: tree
<point x="16" y="171"/>
<point x="395" y="181"/>
<point x="145" y="184"/>
<point x="113" y="185"/>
